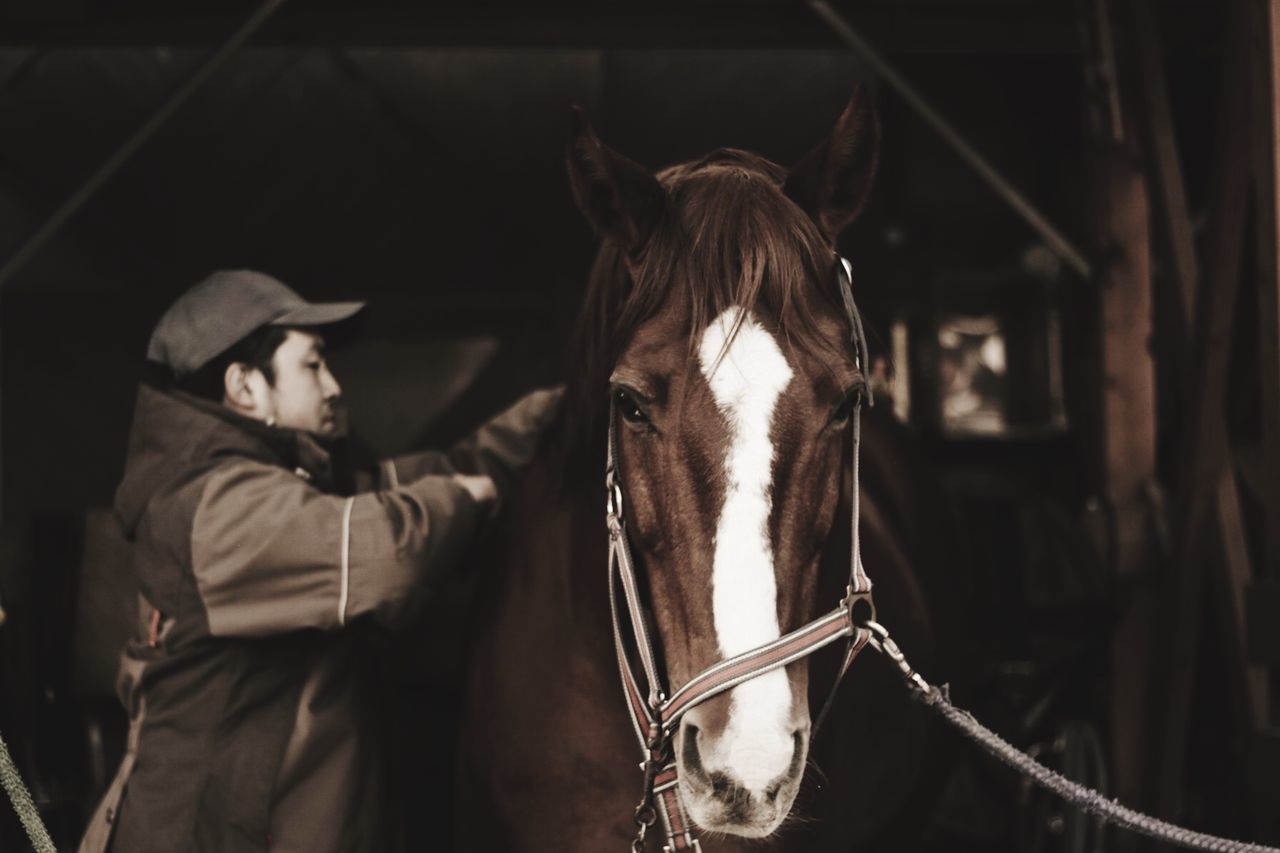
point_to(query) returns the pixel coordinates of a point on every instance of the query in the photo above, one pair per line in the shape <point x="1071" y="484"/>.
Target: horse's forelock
<point x="729" y="237"/>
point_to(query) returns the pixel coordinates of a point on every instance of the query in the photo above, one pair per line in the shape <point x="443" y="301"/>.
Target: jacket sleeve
<point x="500" y="448"/>
<point x="271" y="553"/>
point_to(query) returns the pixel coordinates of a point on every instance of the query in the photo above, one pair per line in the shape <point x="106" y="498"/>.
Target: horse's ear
<point x="621" y="198"/>
<point x="831" y="183"/>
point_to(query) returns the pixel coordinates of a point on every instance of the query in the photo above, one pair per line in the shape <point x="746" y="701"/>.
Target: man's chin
<point x="331" y="427"/>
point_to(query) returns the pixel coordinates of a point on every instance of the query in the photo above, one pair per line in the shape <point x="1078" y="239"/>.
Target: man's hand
<point x="482" y="490"/>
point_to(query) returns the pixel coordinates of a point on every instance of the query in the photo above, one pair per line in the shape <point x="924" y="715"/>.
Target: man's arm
<point x="500" y="448"/>
<point x="271" y="553"/>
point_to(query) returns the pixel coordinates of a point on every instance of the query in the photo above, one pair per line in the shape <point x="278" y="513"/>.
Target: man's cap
<point x="227" y="307"/>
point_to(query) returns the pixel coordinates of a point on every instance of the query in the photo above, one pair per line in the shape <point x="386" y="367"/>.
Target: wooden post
<point x="1125" y="432"/>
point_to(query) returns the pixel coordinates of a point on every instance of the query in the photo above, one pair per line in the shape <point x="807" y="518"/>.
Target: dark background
<point x="412" y="155"/>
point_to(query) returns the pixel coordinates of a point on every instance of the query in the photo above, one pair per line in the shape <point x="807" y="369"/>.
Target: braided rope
<point x="1078" y="795"/>
<point x="22" y="803"/>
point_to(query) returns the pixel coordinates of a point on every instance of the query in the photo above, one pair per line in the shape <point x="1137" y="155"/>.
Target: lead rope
<point x="1085" y="799"/>
<point x="22" y="803"/>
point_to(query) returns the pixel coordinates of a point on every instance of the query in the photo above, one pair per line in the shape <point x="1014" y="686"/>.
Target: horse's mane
<point x="728" y="236"/>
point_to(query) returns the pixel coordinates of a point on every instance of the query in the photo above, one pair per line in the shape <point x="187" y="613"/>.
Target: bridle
<point x="655" y="715"/>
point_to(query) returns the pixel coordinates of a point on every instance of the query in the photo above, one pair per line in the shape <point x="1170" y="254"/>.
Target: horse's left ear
<point x="622" y="199"/>
<point x="831" y="183"/>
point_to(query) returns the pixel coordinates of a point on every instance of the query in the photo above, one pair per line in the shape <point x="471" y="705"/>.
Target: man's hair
<point x="256" y="351"/>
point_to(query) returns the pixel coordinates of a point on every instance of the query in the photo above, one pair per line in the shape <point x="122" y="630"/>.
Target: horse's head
<point x="728" y="356"/>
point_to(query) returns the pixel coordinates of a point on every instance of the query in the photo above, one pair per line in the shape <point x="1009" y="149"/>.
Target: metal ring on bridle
<point x="851" y="600"/>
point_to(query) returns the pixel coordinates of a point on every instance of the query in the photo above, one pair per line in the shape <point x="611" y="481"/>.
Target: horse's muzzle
<point x="716" y="796"/>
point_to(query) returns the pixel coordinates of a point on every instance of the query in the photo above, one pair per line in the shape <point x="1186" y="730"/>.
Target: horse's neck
<point x="554" y="572"/>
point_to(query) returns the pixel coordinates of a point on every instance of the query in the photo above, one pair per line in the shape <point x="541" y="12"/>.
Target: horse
<point x="714" y="337"/>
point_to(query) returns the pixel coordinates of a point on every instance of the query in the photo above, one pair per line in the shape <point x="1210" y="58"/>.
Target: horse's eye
<point x="844" y="409"/>
<point x="630" y="409"/>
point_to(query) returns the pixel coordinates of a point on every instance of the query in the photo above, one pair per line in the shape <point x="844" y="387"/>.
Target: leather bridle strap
<point x="859" y="582"/>
<point x="654" y="716"/>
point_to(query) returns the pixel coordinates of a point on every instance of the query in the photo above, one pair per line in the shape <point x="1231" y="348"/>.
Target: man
<point x="260" y="564"/>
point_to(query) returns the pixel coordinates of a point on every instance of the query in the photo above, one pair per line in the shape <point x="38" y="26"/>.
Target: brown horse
<point x="714" y="326"/>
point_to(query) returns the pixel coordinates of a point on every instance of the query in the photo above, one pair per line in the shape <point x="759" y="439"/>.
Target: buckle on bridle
<point x="613" y="504"/>
<point x="695" y="846"/>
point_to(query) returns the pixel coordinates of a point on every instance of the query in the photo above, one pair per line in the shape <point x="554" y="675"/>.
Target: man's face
<point x="305" y="392"/>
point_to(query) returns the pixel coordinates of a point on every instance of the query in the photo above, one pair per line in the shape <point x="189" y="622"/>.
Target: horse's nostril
<point x="691" y="754"/>
<point x="735" y="799"/>
<point x="797" y="762"/>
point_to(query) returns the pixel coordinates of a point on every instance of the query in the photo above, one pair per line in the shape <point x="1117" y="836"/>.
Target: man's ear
<point x="831" y="183"/>
<point x="238" y="389"/>
<point x="622" y="199"/>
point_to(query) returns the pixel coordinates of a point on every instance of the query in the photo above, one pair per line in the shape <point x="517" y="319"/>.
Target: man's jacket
<point x="258" y="569"/>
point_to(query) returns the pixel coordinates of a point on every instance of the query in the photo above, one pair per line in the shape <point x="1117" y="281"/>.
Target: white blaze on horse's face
<point x="747" y="377"/>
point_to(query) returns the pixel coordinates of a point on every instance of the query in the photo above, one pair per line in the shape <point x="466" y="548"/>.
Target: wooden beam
<point x="873" y="59"/>
<point x="926" y="28"/>
<point x="1203" y="451"/>
<point x="122" y="154"/>
<point x="1248" y="682"/>
<point x="1169" y="198"/>
<point x="929" y="28"/>
<point x="1232" y="594"/>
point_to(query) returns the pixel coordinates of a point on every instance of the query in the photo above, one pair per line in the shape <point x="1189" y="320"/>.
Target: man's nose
<point x="329" y="384"/>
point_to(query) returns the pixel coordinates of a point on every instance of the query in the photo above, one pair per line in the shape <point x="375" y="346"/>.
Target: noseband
<point x="655" y="715"/>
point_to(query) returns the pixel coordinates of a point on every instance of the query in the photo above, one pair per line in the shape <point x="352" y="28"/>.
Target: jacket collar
<point x="290" y="448"/>
<point x="175" y="434"/>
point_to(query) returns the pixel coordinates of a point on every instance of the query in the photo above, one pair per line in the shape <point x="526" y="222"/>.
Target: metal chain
<point x="1085" y="799"/>
<point x="646" y="815"/>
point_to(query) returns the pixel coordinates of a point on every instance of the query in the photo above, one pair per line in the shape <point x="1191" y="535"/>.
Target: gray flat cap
<point x="226" y="307"/>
